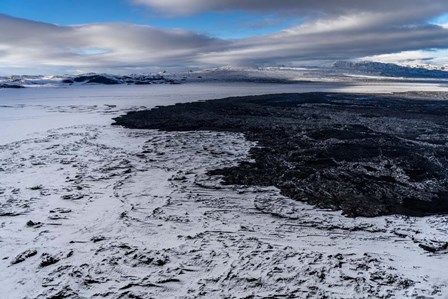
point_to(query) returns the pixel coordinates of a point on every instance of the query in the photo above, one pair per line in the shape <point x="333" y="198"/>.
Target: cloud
<point x="341" y="31"/>
<point x="339" y="38"/>
<point x="416" y="8"/>
<point x="30" y="44"/>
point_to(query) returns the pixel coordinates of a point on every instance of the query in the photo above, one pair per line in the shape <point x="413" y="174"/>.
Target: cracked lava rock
<point x="367" y="155"/>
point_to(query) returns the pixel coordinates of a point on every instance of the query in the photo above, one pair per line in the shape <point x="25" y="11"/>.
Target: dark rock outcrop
<point x="14" y="86"/>
<point x="96" y="79"/>
<point x="23" y="256"/>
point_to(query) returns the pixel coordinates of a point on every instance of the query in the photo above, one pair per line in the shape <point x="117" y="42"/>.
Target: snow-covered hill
<point x="389" y="70"/>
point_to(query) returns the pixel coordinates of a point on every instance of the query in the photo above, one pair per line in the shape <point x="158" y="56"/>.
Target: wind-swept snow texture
<point x="88" y="210"/>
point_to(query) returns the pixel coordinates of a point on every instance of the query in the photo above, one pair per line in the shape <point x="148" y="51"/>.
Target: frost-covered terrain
<point x="88" y="210"/>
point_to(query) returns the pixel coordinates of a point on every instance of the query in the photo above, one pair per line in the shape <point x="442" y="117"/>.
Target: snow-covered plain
<point x="88" y="210"/>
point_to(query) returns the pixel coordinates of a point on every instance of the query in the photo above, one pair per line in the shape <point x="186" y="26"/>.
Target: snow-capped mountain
<point x="389" y="70"/>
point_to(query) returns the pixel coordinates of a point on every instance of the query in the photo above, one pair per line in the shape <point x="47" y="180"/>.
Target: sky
<point x="132" y="36"/>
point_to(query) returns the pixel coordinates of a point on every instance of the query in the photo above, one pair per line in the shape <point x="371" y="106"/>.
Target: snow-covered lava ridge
<point x="113" y="80"/>
<point x="367" y="155"/>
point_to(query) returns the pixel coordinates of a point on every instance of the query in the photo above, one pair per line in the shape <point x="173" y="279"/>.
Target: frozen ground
<point x="90" y="211"/>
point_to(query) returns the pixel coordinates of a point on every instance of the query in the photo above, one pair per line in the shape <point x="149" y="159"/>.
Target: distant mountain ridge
<point x="389" y="70"/>
<point x="90" y="78"/>
<point x="341" y="70"/>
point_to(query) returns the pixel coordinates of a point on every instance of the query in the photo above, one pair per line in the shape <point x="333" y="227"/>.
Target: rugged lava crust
<point x="366" y="155"/>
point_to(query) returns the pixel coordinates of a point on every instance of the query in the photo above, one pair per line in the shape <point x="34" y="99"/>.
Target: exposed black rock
<point x="14" y="86"/>
<point x="96" y="79"/>
<point x="23" y="256"/>
<point x="433" y="249"/>
<point x="65" y="293"/>
<point x="48" y="259"/>
<point x="31" y="223"/>
<point x="362" y="154"/>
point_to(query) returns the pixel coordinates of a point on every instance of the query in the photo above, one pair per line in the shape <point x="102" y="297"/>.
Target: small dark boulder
<point x="23" y="256"/>
<point x="48" y="259"/>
